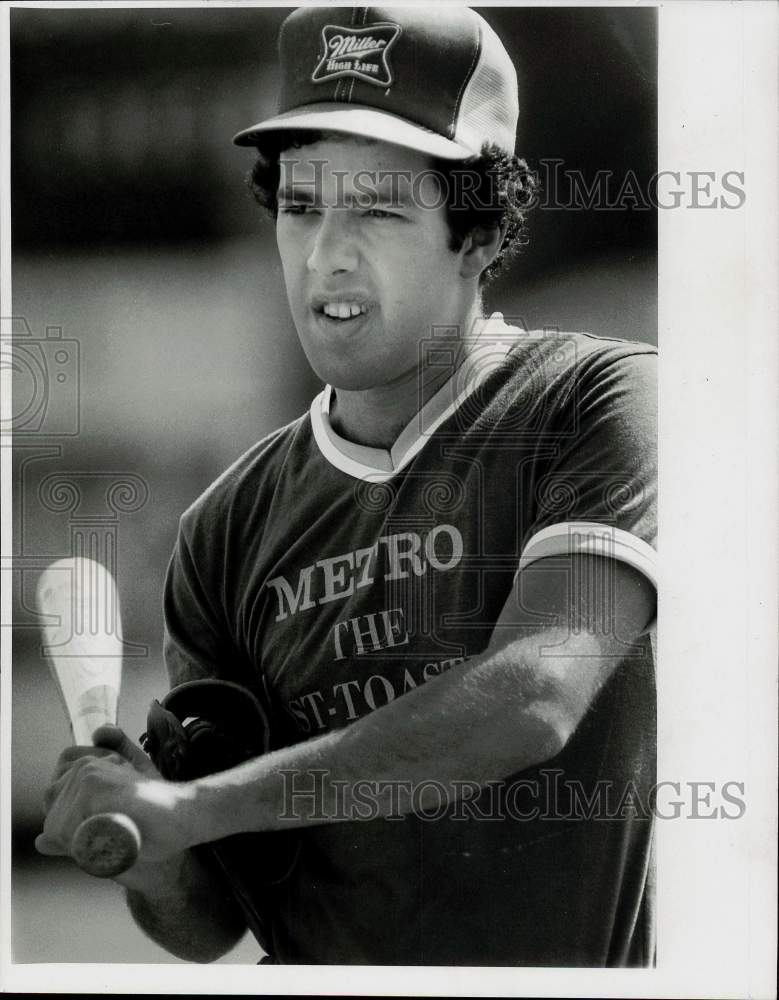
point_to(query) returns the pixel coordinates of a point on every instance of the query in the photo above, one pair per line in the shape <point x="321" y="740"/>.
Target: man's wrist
<point x="244" y="799"/>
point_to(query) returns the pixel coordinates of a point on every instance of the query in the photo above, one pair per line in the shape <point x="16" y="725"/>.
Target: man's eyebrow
<point x="291" y="193"/>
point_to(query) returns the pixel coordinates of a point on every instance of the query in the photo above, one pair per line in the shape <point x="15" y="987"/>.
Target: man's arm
<point x="512" y="707"/>
<point x="185" y="906"/>
<point x="183" y="901"/>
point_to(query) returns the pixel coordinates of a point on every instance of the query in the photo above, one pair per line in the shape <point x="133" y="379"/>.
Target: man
<point x="439" y="580"/>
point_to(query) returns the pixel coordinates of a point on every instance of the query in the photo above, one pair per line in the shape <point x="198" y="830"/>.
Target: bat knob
<point x="105" y="845"/>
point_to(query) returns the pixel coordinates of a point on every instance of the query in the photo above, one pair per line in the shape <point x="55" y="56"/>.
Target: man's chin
<point x="342" y="372"/>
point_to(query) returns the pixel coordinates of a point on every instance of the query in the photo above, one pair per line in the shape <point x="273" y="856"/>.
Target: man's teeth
<point x="343" y="310"/>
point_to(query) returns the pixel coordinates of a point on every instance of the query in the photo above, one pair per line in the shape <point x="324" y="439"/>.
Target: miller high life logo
<point x="357" y="52"/>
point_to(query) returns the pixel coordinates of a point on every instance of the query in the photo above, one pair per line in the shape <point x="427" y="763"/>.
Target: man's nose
<point x="334" y="246"/>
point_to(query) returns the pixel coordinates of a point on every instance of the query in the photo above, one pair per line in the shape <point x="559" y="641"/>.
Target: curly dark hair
<point x="490" y="191"/>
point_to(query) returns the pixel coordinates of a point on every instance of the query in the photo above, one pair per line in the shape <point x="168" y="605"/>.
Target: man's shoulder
<point x="593" y="349"/>
<point x="573" y="348"/>
<point x="551" y="361"/>
<point x="543" y="380"/>
<point x="249" y="475"/>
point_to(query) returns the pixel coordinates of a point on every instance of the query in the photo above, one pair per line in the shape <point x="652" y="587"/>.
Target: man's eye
<point x="295" y="209"/>
<point x="380" y="213"/>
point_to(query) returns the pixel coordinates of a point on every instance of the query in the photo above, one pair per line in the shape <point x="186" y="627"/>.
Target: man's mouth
<point x="342" y="310"/>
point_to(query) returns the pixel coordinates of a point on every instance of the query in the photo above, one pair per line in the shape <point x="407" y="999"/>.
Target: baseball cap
<point x="434" y="79"/>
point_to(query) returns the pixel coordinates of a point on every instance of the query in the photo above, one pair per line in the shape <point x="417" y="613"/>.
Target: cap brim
<point x="357" y="120"/>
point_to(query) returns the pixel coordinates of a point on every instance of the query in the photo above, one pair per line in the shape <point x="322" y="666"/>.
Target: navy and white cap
<point x="434" y="79"/>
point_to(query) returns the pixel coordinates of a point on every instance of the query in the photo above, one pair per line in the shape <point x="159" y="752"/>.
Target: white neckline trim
<point x="379" y="465"/>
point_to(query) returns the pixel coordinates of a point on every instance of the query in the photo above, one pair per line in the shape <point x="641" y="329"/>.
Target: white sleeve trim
<point x="592" y="538"/>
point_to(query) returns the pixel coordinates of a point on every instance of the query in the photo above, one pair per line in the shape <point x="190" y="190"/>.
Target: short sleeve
<point x="195" y="643"/>
<point x="598" y="494"/>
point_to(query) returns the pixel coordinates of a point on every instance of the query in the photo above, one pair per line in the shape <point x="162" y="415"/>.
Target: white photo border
<point x="718" y="556"/>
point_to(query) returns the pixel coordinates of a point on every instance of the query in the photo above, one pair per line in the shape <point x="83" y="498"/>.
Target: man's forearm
<point x="484" y="720"/>
<point x="184" y="906"/>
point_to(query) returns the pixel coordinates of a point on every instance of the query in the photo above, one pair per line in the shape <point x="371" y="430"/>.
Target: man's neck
<point x="375" y="417"/>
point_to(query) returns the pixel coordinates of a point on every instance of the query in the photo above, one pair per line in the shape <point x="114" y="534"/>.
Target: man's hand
<point x="174" y="896"/>
<point x="115" y="775"/>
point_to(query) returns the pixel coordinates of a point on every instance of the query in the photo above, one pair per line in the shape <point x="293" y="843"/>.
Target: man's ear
<point x="480" y="248"/>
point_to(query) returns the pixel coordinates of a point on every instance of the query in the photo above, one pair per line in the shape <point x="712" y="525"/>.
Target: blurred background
<point x="153" y="344"/>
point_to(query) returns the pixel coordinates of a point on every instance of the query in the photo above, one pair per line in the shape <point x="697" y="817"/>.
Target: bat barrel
<point x="79" y="602"/>
<point x="105" y="845"/>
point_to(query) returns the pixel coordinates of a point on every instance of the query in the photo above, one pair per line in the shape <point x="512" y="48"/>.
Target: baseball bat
<point x="79" y="600"/>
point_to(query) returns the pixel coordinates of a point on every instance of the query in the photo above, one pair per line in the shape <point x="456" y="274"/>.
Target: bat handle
<point x="105" y="845"/>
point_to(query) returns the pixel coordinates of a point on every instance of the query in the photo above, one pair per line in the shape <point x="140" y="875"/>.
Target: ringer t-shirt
<point x="338" y="578"/>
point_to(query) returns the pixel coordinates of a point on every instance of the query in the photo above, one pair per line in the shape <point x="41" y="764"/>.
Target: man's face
<point x="367" y="276"/>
